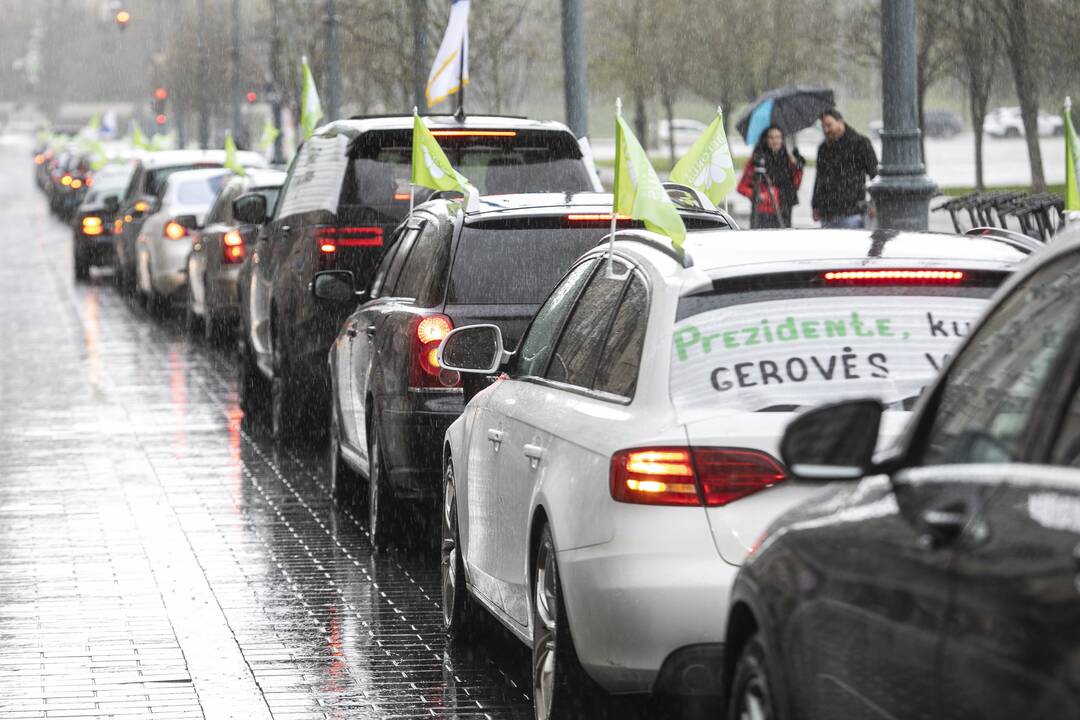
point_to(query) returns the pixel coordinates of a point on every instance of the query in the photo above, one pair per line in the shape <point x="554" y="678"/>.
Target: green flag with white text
<point x="310" y="106"/>
<point x="1072" y="162"/>
<point x="707" y="165"/>
<point x="430" y="166"/>
<point x="638" y="191"/>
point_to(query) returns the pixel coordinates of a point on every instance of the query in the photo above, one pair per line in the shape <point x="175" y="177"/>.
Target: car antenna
<point x="459" y="114"/>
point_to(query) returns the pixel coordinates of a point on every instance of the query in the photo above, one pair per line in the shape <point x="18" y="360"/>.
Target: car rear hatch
<point x="748" y="353"/>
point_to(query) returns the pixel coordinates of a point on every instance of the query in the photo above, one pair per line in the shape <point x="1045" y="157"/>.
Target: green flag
<point x="430" y="167"/>
<point x="269" y="135"/>
<point x="138" y="139"/>
<point x="707" y="165"/>
<point x="231" y="163"/>
<point x="1072" y="162"/>
<point x="638" y="191"/>
<point x="310" y="107"/>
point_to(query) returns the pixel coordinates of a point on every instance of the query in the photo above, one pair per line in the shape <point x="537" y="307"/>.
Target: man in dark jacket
<point x="845" y="160"/>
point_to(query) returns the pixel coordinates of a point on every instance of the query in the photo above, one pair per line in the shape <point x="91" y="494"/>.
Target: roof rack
<point x="688" y="197"/>
<point x="681" y="257"/>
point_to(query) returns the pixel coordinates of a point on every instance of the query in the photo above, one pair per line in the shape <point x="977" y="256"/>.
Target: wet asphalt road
<point x="157" y="560"/>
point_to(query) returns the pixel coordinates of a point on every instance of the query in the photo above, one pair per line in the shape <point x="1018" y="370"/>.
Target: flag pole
<point x="614" y="200"/>
<point x="461" y="77"/>
<point x="412" y="187"/>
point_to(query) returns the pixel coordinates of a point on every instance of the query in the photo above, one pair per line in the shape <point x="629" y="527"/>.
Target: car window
<point x="987" y="400"/>
<point x="426" y="264"/>
<point x="222" y="210"/>
<point x="199" y="192"/>
<point x="394" y="272"/>
<point x="535" y="347"/>
<point x="577" y="354"/>
<point x="618" y="370"/>
<point x="316" y="176"/>
<point x="385" y="263"/>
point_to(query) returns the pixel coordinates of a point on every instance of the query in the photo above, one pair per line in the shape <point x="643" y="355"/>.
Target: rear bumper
<point x="413" y="429"/>
<point x="221" y="290"/>
<point x="96" y="249"/>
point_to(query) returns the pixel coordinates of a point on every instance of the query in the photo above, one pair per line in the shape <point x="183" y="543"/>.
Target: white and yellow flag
<point x="451" y="68"/>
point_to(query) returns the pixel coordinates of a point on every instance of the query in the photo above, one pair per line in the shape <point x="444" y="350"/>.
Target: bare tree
<point x="965" y="24"/>
<point x="1013" y="23"/>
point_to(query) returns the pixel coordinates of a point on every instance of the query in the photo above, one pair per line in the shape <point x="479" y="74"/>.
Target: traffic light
<point x="252" y="96"/>
<point x="122" y="17"/>
<point x="161" y="96"/>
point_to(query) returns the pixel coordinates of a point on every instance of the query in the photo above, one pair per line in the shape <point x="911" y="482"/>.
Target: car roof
<point x="262" y="178"/>
<point x="717" y="254"/>
<point x="197" y="174"/>
<point x="513" y="205"/>
<point x="171" y="158"/>
<point x="355" y="127"/>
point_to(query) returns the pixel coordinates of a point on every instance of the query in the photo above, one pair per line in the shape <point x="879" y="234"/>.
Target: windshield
<point x="788" y="349"/>
<point x="155" y="179"/>
<point x="515" y="265"/>
<point x="201" y="191"/>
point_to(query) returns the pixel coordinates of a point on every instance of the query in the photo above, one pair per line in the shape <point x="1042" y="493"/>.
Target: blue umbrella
<point x="790" y="108"/>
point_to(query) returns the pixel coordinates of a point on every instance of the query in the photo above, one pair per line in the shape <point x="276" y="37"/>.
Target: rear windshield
<point x="528" y="162"/>
<point x="200" y="192"/>
<point x="155" y="179"/>
<point x="515" y="266"/>
<point x="782" y="350"/>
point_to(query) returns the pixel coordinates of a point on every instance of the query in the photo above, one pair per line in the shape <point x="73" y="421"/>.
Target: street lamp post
<point x="902" y="192"/>
<point x="576" y="84"/>
<point x="204" y="71"/>
<point x="237" y="130"/>
<point x="333" y="72"/>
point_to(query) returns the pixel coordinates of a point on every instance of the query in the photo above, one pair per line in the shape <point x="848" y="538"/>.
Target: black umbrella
<point x="790" y="108"/>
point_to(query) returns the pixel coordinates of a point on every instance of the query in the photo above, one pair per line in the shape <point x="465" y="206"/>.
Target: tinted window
<point x="530" y="161"/>
<point x="535" y="348"/>
<point x="618" y="369"/>
<point x="426" y="264"/>
<point x="222" y="210"/>
<point x="515" y="265"/>
<point x="577" y="353"/>
<point x="987" y="401"/>
<point x="271" y="195"/>
<point x="389" y="286"/>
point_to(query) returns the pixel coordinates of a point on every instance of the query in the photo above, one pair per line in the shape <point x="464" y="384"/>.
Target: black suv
<point x="95" y="220"/>
<point x="346" y="191"/>
<point x="939" y="577"/>
<point x="391" y="400"/>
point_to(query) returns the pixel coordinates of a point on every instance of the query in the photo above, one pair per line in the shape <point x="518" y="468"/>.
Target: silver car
<point x="218" y="250"/>
<point x="164" y="240"/>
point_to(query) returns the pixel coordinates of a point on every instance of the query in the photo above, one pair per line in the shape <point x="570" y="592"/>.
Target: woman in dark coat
<point x="771" y="180"/>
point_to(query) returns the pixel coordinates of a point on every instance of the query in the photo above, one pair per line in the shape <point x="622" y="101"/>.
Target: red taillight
<point x="93" y="225"/>
<point x="39" y="159"/>
<point x="175" y="231"/>
<point x="690" y="476"/>
<point x="595" y="217"/>
<point x="65" y="180"/>
<point x="329" y="239"/>
<point x="426" y="372"/>
<point x="232" y="247"/>
<point x="893" y="277"/>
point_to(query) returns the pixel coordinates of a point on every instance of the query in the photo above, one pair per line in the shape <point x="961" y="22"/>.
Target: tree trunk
<point x="669" y="110"/>
<point x="978" y="116"/>
<point x="641" y="120"/>
<point x="1019" y="52"/>
<point x="921" y="110"/>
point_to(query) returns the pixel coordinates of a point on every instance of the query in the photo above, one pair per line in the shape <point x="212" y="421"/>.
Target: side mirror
<point x="833" y="442"/>
<point x="188" y="221"/>
<point x="336" y="286"/>
<point x="250" y="209"/>
<point x="112" y="204"/>
<point x="144" y="206"/>
<point x="473" y="349"/>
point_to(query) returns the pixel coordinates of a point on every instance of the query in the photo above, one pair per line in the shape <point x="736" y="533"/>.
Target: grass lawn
<point x="958" y="190"/>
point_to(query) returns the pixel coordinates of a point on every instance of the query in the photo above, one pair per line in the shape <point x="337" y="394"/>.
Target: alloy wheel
<point x="449" y="550"/>
<point x="546" y="630"/>
<point x="374" y="480"/>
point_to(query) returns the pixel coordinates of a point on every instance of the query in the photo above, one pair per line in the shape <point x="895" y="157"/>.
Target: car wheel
<point x="751" y="695"/>
<point x="459" y="615"/>
<point x="250" y="386"/>
<point x="215" y="331"/>
<point x="380" y="497"/>
<point x="561" y="687"/>
<point x="191" y="319"/>
<point x="343" y="480"/>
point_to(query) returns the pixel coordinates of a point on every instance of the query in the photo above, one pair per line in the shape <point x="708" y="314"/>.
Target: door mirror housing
<point x="337" y="286"/>
<point x="833" y="442"/>
<point x="250" y="209"/>
<point x="188" y="221"/>
<point x="112" y="204"/>
<point x="473" y="349"/>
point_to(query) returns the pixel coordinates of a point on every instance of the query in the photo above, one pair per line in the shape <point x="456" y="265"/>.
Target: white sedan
<point x="601" y="493"/>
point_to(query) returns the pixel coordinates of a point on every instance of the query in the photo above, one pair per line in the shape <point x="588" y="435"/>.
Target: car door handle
<point x="495" y="436"/>
<point x="286" y="228"/>
<point x="943" y="525"/>
<point x="535" y="453"/>
<point x="370" y="330"/>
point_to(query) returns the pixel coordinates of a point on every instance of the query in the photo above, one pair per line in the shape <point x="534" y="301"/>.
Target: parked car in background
<point x="95" y="220"/>
<point x="601" y="494"/>
<point x="143" y="198"/>
<point x="391" y="402"/>
<point x="937" y="578"/>
<point x="686" y="131"/>
<point x="1007" y="122"/>
<point x="165" y="237"/>
<point x="347" y="190"/>
<point x="67" y="185"/>
<point x="218" y="250"/>
<point x="937" y="124"/>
